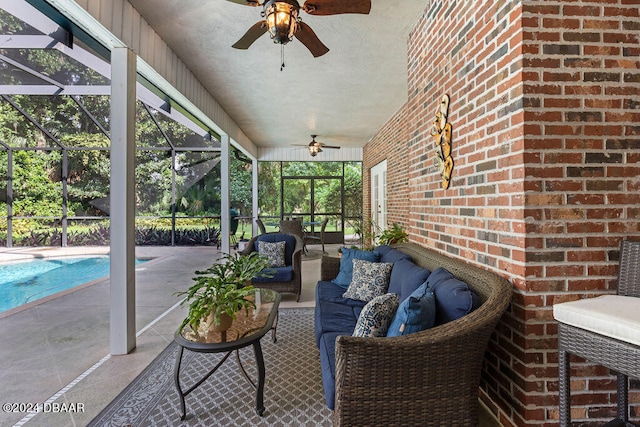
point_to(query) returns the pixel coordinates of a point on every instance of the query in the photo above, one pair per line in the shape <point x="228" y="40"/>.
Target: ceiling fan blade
<point x="307" y="37"/>
<point x="330" y="146"/>
<point x="251" y="35"/>
<point x="336" y="7"/>
<point x="246" y="2"/>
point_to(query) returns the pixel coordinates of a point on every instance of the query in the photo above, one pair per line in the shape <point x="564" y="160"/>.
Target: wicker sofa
<point x="428" y="378"/>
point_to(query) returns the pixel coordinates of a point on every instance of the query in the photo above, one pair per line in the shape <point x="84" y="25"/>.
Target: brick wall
<point x="545" y="109"/>
<point x="390" y="144"/>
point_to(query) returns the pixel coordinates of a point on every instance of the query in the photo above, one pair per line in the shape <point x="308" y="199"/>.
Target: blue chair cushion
<point x="279" y="274"/>
<point x="454" y="298"/>
<point x="279" y="237"/>
<point x="406" y="277"/>
<point x="417" y="313"/>
<point x="389" y="254"/>
<point x="346" y="264"/>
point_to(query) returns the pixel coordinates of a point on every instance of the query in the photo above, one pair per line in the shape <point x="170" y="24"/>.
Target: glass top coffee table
<point x="246" y="330"/>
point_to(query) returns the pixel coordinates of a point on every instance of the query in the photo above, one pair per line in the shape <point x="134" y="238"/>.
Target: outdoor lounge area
<point x="86" y="388"/>
<point x="72" y="365"/>
<point x="496" y="138"/>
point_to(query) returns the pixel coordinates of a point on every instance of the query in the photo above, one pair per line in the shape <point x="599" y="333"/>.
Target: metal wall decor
<point x="441" y="131"/>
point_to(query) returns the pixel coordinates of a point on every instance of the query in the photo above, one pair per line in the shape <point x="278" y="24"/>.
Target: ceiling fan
<point x="283" y="22"/>
<point x="316" y="147"/>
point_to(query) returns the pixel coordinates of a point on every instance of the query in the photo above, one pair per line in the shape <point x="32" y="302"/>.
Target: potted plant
<point x="220" y="291"/>
<point x="367" y="234"/>
<point x="392" y="235"/>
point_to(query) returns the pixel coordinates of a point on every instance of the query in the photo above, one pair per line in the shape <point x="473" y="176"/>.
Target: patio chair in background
<point x="292" y="226"/>
<point x="317" y="239"/>
<point x="261" y="227"/>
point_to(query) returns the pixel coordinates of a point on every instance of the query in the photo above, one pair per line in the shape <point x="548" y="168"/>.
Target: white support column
<point x="254" y="195"/>
<point x="225" y="222"/>
<point x="122" y="336"/>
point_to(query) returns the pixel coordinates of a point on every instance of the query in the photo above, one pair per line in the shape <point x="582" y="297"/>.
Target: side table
<point x="246" y="330"/>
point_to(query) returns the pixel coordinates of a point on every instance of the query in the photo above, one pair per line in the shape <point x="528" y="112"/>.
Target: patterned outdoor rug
<point x="293" y="393"/>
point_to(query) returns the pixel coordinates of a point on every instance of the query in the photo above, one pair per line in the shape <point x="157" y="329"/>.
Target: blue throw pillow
<point x="389" y="254"/>
<point x="416" y="313"/>
<point x="406" y="277"/>
<point x="346" y="264"/>
<point x="454" y="298"/>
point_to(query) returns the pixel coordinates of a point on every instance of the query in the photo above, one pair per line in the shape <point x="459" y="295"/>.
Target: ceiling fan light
<point x="314" y="150"/>
<point x="282" y="18"/>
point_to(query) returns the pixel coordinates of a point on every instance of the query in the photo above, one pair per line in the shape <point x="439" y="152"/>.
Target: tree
<point x="269" y="188"/>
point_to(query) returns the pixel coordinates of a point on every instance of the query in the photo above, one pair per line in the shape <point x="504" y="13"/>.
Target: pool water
<point x="25" y="282"/>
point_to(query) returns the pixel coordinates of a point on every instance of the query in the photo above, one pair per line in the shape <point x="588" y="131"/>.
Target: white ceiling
<point x="344" y="96"/>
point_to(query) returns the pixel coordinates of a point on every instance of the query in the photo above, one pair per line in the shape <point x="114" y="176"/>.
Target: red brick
<point x="541" y="197"/>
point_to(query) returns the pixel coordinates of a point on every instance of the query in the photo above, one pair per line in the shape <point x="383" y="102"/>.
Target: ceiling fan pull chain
<point x="282" y="56"/>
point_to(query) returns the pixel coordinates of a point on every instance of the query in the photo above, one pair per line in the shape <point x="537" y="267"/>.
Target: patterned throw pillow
<point x="346" y="264"/>
<point x="370" y="279"/>
<point x="274" y="252"/>
<point x="376" y="316"/>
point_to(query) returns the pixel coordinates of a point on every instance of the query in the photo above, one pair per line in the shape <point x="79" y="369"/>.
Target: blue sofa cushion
<point x="416" y="313"/>
<point x="278" y="274"/>
<point x="330" y="292"/>
<point x="328" y="366"/>
<point x="346" y="264"/>
<point x="279" y="237"/>
<point x="454" y="298"/>
<point x="370" y="279"/>
<point x="406" y="277"/>
<point x="389" y="254"/>
<point x="376" y="316"/>
<point x="326" y="290"/>
<point x="333" y="313"/>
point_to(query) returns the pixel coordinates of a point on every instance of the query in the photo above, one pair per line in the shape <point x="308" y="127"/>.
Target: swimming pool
<point x="28" y="281"/>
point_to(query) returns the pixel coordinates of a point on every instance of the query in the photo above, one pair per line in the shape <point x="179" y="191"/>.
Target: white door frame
<point x="379" y="196"/>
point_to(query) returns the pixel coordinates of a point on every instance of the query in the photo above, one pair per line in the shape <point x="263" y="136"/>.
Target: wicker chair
<point x="295" y="285"/>
<point x="294" y="226"/>
<point x="428" y="378"/>
<point x="614" y="352"/>
<point x="319" y="239"/>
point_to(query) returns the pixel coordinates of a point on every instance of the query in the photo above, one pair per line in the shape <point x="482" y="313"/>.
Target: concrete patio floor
<point x="57" y="351"/>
